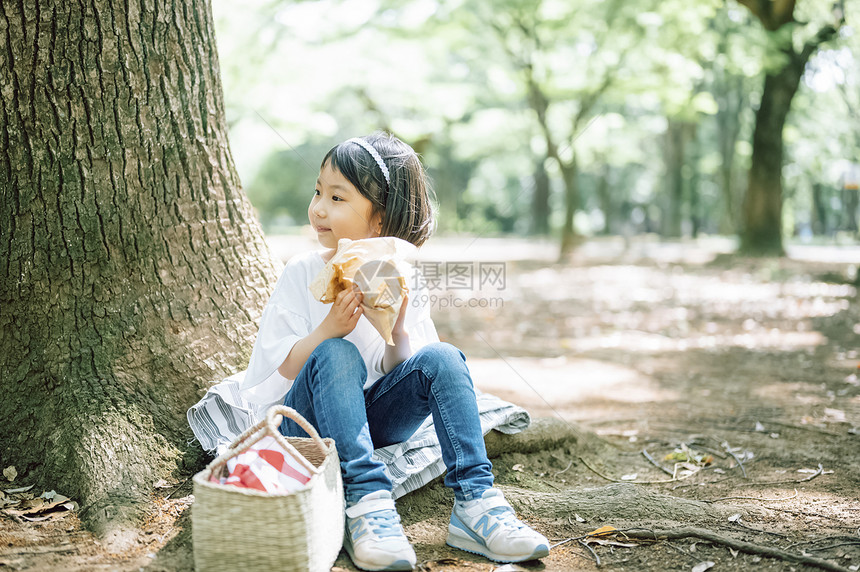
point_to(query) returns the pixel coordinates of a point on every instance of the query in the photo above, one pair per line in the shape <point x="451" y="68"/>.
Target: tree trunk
<point x="607" y="205"/>
<point x="134" y="270"/>
<point x="819" y="211"/>
<point x="569" y="237"/>
<point x="447" y="186"/>
<point x="850" y="199"/>
<point x="674" y="160"/>
<point x="697" y="217"/>
<point x="730" y="94"/>
<point x="540" y="200"/>
<point x="762" y="231"/>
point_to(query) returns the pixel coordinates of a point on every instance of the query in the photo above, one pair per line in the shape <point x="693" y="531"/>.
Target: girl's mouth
<point x="322" y="229"/>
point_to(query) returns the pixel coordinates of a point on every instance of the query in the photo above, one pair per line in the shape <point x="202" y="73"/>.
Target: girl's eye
<point x="316" y="191"/>
<point x="336" y="198"/>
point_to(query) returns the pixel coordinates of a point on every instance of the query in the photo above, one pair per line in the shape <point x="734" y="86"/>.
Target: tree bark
<point x="850" y="199"/>
<point x="819" y="211"/>
<point x="730" y="94"/>
<point x="540" y="200"/>
<point x="762" y="216"/>
<point x="762" y="211"/>
<point x="134" y="270"/>
<point x="607" y="205"/>
<point x="697" y="217"/>
<point x="677" y="134"/>
<point x="569" y="237"/>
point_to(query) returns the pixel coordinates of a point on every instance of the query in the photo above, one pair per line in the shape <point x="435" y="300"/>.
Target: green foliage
<point x="284" y="185"/>
<point x="458" y="80"/>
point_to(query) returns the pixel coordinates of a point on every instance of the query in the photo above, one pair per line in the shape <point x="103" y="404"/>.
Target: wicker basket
<point x="244" y="529"/>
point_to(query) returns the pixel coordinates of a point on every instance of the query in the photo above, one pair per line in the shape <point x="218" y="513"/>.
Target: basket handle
<point x="269" y="426"/>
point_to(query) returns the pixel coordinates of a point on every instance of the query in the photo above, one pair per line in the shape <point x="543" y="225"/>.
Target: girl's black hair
<point x="405" y="205"/>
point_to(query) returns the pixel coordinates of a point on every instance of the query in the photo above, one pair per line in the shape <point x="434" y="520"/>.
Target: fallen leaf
<point x="702" y="566"/>
<point x="630" y="477"/>
<point x="21" y="490"/>
<point x="35" y="518"/>
<point x="735" y="517"/>
<point x="759" y="427"/>
<point x="34" y="509"/>
<point x="517" y="467"/>
<point x="603" y="531"/>
<point x="60" y="501"/>
<point x="10" y="473"/>
<point x="608" y="542"/>
<point x="683" y="455"/>
<point x="578" y="518"/>
<point x="734" y="552"/>
<point x="32" y="504"/>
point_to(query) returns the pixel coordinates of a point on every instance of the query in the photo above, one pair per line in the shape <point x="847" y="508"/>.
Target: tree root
<point x="543" y="434"/>
<point x="748" y="547"/>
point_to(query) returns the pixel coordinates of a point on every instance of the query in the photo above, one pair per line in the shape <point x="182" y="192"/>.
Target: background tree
<point x="762" y="212"/>
<point x="438" y="74"/>
<point x="133" y="268"/>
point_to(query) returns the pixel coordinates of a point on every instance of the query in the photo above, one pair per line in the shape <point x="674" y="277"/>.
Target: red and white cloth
<point x="266" y="466"/>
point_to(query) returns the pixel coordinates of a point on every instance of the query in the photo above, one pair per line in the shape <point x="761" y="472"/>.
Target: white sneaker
<point x="488" y="526"/>
<point x="374" y="538"/>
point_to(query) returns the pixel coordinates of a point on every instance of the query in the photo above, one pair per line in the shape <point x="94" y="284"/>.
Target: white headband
<point x="375" y="154"/>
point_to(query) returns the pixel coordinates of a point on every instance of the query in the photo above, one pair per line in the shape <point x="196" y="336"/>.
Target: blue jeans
<point x="329" y="393"/>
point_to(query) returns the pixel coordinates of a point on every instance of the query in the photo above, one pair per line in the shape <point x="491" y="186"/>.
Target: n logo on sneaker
<point x="483" y="527"/>
<point x="357" y="529"/>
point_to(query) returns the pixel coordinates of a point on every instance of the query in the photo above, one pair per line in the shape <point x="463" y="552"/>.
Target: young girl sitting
<point x="334" y="368"/>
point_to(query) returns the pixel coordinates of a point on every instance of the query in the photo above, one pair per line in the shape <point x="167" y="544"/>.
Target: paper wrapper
<point x="378" y="266"/>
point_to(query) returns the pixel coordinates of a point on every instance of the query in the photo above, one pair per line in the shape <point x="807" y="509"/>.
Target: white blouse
<point x="292" y="313"/>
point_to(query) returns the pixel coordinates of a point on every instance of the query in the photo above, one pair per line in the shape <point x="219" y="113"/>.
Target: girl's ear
<point x="376" y="224"/>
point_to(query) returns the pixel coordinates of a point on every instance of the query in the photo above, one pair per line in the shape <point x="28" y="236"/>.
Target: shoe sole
<point x="456" y="541"/>
<point x="396" y="565"/>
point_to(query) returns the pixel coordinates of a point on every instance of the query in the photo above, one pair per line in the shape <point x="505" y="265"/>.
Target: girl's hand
<point x="344" y="314"/>
<point x="399" y="328"/>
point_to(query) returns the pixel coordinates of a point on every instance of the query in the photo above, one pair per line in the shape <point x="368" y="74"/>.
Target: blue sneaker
<point x="374" y="538"/>
<point x="489" y="527"/>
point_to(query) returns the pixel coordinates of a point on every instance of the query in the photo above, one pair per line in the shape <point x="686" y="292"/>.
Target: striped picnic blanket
<point x="222" y="415"/>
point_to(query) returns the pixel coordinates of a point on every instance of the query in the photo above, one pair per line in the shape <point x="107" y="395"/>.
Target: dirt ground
<point x="724" y="393"/>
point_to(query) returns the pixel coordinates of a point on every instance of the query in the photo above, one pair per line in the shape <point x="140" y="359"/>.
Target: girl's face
<point x="338" y="210"/>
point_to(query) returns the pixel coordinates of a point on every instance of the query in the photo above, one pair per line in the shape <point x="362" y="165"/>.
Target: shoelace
<point x="384" y="523"/>
<point x="506" y="517"/>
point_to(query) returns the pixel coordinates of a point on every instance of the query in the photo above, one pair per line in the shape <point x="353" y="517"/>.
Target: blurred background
<point x="561" y="120"/>
<point x="603" y="170"/>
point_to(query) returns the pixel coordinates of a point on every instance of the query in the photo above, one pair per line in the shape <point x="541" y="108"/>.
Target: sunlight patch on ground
<point x="648" y="342"/>
<point x="559" y="381"/>
<point x="792" y="392"/>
